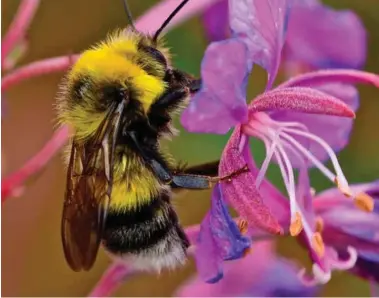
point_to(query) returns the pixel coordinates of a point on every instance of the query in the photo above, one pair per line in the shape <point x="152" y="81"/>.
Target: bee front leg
<point x="176" y="77"/>
<point x="195" y="85"/>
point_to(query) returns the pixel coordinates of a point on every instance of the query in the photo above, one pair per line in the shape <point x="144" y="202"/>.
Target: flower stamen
<point x="342" y="188"/>
<point x="319" y="225"/>
<point x="243" y="227"/>
<point x="318" y="244"/>
<point x="364" y="202"/>
<point x="296" y="225"/>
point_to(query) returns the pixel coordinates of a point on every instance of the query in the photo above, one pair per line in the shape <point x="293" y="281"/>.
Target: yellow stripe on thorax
<point x="113" y="62"/>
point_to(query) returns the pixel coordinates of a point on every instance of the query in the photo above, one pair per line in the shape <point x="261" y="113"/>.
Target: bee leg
<point x="193" y="181"/>
<point x="157" y="167"/>
<point x="189" y="181"/>
<point x="172" y="97"/>
<point x="177" y="77"/>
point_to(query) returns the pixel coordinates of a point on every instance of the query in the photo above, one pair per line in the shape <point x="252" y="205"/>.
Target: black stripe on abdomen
<point x="136" y="230"/>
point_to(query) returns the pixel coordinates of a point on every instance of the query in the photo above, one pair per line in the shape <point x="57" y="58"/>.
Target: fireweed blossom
<point x="302" y="122"/>
<point x="351" y="236"/>
<point x="262" y="274"/>
<point x="316" y="38"/>
<point x="316" y="35"/>
<point x="259" y="274"/>
<point x="235" y="242"/>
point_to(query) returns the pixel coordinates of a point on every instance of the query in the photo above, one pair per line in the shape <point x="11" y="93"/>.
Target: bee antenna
<point x="168" y="20"/>
<point x="128" y="13"/>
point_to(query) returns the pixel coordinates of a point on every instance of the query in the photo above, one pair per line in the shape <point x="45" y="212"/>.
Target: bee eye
<point x="157" y="55"/>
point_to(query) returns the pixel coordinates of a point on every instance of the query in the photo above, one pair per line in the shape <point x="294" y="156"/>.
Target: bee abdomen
<point x="150" y="237"/>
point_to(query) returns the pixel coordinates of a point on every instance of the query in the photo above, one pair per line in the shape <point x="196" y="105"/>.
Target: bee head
<point x="127" y="66"/>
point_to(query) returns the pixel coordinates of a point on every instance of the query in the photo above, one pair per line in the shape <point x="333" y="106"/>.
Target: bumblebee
<point x="119" y="98"/>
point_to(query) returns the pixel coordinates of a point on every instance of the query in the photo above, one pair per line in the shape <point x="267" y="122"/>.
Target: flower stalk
<point x="14" y="183"/>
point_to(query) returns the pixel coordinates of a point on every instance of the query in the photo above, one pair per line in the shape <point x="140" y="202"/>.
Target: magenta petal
<point x="208" y="260"/>
<point x="332" y="129"/>
<point x="305" y="100"/>
<point x="331" y="76"/>
<point x="231" y="243"/>
<point x="223" y="94"/>
<point x="240" y="275"/>
<point x="317" y="36"/>
<point x="241" y="192"/>
<point x="262" y="24"/>
<point x="219" y="239"/>
<point x="281" y="280"/>
<point x="215" y="20"/>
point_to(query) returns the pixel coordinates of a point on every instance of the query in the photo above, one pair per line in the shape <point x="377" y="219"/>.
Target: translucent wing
<point x="88" y="190"/>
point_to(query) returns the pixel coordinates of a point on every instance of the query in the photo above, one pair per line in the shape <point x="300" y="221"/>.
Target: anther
<point x="345" y="190"/>
<point x="319" y="224"/>
<point x="242" y="226"/>
<point x="247" y="251"/>
<point x="318" y="244"/>
<point x="296" y="225"/>
<point x="364" y="202"/>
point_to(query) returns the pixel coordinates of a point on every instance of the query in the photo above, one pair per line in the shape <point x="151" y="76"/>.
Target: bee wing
<point x="88" y="191"/>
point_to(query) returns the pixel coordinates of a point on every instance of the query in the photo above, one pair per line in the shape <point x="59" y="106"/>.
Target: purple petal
<point x="281" y="280"/>
<point x="345" y="225"/>
<point x="331" y="76"/>
<point x="241" y="192"/>
<point x="259" y="274"/>
<point x="219" y="240"/>
<point x="305" y="100"/>
<point x="317" y="37"/>
<point x="332" y="198"/>
<point x="262" y="24"/>
<point x="332" y="129"/>
<point x="239" y="275"/>
<point x="224" y="229"/>
<point x="215" y="20"/>
<point x="341" y="216"/>
<point x="223" y="95"/>
<point x="207" y="257"/>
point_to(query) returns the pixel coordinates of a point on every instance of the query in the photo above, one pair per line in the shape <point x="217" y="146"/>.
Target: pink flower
<point x="302" y="122"/>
